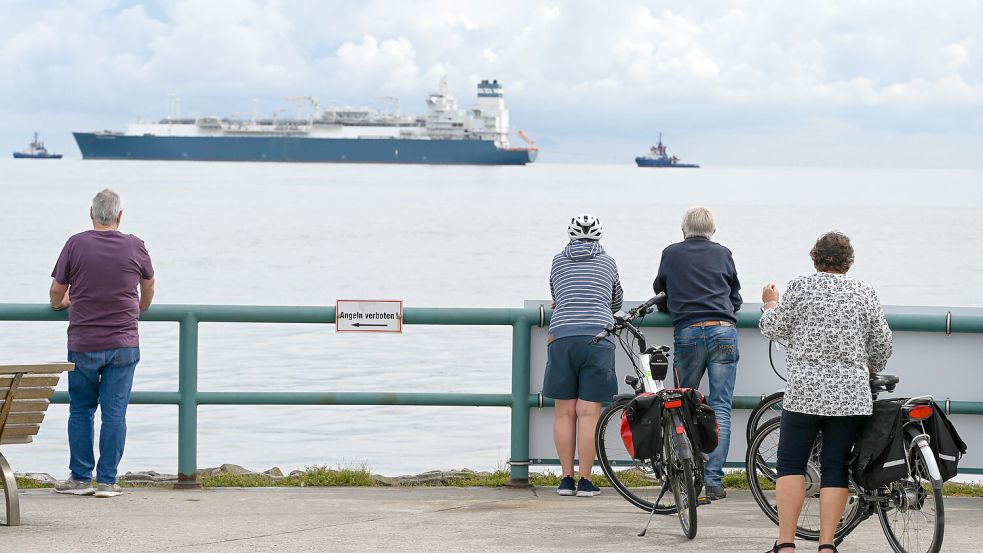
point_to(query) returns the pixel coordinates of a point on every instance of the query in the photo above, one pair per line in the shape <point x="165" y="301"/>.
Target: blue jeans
<point x="711" y="349"/>
<point x="101" y="379"/>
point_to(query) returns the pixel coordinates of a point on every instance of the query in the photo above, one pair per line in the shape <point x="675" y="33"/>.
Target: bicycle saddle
<point x="885" y="381"/>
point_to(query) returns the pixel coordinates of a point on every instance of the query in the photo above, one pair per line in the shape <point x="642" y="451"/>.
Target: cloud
<point x="360" y="63"/>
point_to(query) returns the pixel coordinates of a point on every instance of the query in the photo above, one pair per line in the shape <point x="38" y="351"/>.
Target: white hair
<point x="698" y="221"/>
<point x="106" y="207"/>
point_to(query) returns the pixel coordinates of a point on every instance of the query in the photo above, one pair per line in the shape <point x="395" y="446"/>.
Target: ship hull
<point x="22" y="155"/>
<point x="649" y="162"/>
<point x="300" y="149"/>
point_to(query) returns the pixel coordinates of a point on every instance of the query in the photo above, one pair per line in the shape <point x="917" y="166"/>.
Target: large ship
<point x="659" y="157"/>
<point x="445" y="135"/>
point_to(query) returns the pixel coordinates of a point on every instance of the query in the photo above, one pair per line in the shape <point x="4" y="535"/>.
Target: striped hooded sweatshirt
<point x="586" y="290"/>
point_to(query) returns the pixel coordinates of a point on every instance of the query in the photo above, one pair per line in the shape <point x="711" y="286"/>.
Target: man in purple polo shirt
<point x="100" y="270"/>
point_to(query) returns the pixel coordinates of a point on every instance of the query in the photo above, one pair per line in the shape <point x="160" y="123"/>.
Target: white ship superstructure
<point x="487" y="120"/>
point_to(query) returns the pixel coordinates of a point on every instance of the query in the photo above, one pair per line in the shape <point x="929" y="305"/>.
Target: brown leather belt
<point x="702" y="324"/>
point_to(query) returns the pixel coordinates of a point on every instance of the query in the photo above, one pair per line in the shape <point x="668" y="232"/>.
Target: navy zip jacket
<point x="700" y="282"/>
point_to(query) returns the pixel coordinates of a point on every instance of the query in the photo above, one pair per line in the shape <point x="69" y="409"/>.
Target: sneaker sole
<point x="76" y="492"/>
<point x="565" y="492"/>
<point x="105" y="495"/>
<point x="588" y="494"/>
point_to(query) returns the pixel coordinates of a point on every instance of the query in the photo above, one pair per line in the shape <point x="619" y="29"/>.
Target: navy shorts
<point x="578" y="369"/>
<point x="797" y="436"/>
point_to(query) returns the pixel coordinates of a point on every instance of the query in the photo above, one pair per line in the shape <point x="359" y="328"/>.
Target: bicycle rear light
<point x="672" y="404"/>
<point x="920" y="412"/>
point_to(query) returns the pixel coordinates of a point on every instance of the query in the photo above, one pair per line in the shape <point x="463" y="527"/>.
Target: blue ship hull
<point x="650" y="162"/>
<point x="22" y="155"/>
<point x="300" y="149"/>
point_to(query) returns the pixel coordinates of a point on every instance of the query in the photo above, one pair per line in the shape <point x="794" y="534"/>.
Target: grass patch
<point x="32" y="484"/>
<point x="317" y="476"/>
<point x="962" y="490"/>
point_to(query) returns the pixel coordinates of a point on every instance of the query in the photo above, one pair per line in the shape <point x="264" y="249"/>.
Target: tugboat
<point x="659" y="158"/>
<point x="36" y="150"/>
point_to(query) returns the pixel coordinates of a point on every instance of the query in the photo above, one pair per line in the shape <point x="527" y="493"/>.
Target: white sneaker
<point x="74" y="487"/>
<point x="108" y="490"/>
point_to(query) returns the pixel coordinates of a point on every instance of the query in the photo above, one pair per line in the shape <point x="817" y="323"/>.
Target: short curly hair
<point x="832" y="253"/>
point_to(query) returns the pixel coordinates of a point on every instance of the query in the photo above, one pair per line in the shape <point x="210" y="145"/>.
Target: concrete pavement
<point x="407" y="519"/>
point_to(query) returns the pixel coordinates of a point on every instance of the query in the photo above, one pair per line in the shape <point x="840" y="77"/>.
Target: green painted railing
<point x="520" y="400"/>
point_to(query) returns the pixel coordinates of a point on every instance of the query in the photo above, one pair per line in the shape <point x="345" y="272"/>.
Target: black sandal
<point x="830" y="547"/>
<point x="779" y="546"/>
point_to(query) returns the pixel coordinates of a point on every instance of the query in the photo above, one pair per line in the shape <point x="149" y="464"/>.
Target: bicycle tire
<point x="612" y="456"/>
<point x="680" y="475"/>
<point x="760" y="468"/>
<point x="909" y="496"/>
<point x="769" y="408"/>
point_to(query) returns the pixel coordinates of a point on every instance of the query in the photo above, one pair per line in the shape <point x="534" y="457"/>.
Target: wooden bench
<point x="25" y="391"/>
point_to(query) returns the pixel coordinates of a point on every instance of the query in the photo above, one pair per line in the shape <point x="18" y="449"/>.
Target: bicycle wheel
<point x="761" y="465"/>
<point x="769" y="408"/>
<point x="680" y="475"/>
<point x="634" y="479"/>
<point x="913" y="518"/>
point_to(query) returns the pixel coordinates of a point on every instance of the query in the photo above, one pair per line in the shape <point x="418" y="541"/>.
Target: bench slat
<point x="16" y="440"/>
<point x="41" y="368"/>
<point x="27" y="405"/>
<point x="25" y="418"/>
<point x="21" y="430"/>
<point x="30" y="381"/>
<point x="29" y="393"/>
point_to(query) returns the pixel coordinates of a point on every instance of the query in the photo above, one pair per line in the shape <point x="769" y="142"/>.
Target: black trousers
<point x="797" y="436"/>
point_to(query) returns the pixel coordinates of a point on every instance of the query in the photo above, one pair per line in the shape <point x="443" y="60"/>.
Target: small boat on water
<point x="658" y="157"/>
<point x="36" y="150"/>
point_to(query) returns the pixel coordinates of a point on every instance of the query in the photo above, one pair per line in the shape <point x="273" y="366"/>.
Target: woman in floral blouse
<point x="837" y="336"/>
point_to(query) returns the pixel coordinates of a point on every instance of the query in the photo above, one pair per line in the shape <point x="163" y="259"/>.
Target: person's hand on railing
<point x="769" y="295"/>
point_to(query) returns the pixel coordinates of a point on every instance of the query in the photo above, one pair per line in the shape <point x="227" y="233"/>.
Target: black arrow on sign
<point x="369" y="324"/>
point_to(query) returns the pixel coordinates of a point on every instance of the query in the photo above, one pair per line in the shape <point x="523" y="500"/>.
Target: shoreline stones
<point x="153" y="478"/>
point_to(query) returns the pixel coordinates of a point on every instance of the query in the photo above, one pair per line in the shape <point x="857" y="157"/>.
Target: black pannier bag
<point x="879" y="453"/>
<point x="946" y="444"/>
<point x="641" y="426"/>
<point x="703" y="420"/>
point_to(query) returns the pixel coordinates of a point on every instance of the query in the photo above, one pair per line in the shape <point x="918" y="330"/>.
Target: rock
<point x="227" y="468"/>
<point x="234" y="469"/>
<point x="297" y="473"/>
<point x="381" y="480"/>
<point x="148" y="478"/>
<point x="42" y="477"/>
<point x="275" y="472"/>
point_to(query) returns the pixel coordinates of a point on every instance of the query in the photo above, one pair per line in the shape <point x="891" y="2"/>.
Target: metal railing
<point x="520" y="400"/>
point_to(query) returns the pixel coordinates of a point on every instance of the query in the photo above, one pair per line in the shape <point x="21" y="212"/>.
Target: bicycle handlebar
<point x="621" y="320"/>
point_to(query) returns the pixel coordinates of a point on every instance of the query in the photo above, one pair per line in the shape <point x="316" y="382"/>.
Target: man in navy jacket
<point x="703" y="297"/>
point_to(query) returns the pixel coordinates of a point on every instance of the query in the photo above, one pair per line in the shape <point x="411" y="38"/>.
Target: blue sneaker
<point x="566" y="486"/>
<point x="586" y="488"/>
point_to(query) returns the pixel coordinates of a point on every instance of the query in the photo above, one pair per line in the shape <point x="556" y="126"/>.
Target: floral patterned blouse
<point x="836" y="334"/>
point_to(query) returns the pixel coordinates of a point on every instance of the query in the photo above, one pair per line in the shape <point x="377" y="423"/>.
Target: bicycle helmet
<point x="585" y="227"/>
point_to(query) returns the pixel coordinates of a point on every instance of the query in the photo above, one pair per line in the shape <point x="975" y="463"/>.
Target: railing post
<point x="519" y="461"/>
<point x="187" y="414"/>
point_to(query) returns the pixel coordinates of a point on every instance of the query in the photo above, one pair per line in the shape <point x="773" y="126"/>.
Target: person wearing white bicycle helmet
<point x="586" y="291"/>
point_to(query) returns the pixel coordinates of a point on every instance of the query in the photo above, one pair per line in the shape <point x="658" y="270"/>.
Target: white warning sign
<point x="369" y="316"/>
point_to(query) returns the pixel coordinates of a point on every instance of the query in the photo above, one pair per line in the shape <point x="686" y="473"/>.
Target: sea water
<point x="433" y="236"/>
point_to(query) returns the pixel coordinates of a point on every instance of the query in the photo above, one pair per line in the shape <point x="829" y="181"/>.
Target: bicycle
<point x="678" y="467"/>
<point x="770" y="405"/>
<point x="910" y="510"/>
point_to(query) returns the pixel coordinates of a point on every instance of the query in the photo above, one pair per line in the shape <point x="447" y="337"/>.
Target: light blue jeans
<point x="711" y="350"/>
<point x="101" y="379"/>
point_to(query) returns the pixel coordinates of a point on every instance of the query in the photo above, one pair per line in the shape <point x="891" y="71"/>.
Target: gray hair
<point x="698" y="221"/>
<point x="106" y="207"/>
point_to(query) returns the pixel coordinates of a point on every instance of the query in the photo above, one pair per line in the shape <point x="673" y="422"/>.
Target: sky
<point x="841" y="83"/>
